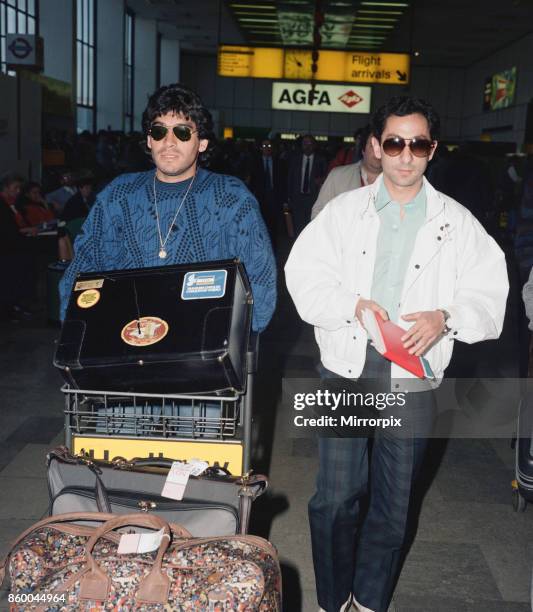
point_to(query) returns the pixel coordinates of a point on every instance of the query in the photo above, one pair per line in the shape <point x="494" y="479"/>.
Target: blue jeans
<point x="360" y="554"/>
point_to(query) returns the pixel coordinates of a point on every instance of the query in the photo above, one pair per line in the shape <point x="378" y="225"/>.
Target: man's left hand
<point x="428" y="327"/>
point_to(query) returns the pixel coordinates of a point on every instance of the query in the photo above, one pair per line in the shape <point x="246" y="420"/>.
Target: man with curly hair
<point x="179" y="212"/>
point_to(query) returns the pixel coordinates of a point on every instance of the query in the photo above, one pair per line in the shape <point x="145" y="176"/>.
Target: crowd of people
<point x="384" y="242"/>
<point x="292" y="181"/>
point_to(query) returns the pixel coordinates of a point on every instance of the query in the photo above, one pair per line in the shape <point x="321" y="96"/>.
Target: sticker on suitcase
<point x="204" y="285"/>
<point x="97" y="283"/>
<point x="88" y="298"/>
<point x="144" y="331"/>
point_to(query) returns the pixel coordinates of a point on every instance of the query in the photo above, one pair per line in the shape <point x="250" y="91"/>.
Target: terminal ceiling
<point x="449" y="33"/>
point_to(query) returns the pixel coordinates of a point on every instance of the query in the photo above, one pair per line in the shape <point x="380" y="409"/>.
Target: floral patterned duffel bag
<point x="80" y="562"/>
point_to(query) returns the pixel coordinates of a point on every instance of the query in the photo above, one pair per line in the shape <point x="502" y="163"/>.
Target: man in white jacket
<point x="415" y="256"/>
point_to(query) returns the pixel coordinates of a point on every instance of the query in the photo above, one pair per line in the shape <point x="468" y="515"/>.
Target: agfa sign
<point x="322" y="98"/>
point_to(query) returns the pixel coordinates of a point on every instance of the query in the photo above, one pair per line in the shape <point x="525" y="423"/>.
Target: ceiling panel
<point x="452" y="33"/>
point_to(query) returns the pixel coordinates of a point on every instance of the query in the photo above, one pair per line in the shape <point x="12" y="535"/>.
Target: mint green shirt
<point x="396" y="240"/>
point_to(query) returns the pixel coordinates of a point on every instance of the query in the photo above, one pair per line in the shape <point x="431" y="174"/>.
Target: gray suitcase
<point x="214" y="504"/>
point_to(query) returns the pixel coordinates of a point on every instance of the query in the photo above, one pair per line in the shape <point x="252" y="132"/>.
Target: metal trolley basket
<point x="212" y="427"/>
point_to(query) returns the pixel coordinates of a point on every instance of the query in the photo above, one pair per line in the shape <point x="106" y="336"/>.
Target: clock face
<point x="297" y="64"/>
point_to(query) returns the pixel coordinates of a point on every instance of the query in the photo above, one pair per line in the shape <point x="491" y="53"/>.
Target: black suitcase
<point x="214" y="504"/>
<point x="171" y="329"/>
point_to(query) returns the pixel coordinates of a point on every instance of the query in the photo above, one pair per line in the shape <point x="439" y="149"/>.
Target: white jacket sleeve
<point x="313" y="275"/>
<point x="527" y="295"/>
<point x="482" y="285"/>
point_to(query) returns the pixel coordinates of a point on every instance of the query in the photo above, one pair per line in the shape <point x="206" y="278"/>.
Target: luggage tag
<point x="177" y="479"/>
<point x="198" y="466"/>
<point x="131" y="543"/>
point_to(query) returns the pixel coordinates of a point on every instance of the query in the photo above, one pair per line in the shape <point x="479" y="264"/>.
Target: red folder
<point x="386" y="338"/>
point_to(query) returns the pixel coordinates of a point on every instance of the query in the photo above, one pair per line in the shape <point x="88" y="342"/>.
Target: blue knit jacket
<point x="220" y="219"/>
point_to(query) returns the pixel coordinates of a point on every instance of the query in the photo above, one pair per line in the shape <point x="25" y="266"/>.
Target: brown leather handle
<point x="154" y="588"/>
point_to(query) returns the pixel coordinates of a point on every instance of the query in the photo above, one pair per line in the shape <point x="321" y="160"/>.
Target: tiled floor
<point x="472" y="552"/>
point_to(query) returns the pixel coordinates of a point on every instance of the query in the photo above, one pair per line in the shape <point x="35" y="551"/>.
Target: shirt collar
<point x="434" y="200"/>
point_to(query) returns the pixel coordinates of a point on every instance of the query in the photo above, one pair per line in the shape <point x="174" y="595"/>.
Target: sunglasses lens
<point x="393" y="146"/>
<point x="421" y="148"/>
<point x="182" y="132"/>
<point x="158" y="132"/>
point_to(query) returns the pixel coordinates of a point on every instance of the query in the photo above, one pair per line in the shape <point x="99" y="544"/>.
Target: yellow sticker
<point x="98" y="283"/>
<point x="144" y="331"/>
<point x="88" y="298"/>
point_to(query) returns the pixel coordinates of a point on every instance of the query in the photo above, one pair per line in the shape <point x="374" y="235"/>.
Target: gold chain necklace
<point x="162" y="251"/>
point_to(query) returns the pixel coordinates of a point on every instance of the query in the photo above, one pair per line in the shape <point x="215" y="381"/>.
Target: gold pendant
<point x="162" y="254"/>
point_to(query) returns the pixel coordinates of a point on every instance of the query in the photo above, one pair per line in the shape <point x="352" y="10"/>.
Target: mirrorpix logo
<point x="350" y="98"/>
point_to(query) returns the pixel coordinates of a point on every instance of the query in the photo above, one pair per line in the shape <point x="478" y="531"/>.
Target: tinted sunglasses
<point x="181" y="132"/>
<point x="420" y="147"/>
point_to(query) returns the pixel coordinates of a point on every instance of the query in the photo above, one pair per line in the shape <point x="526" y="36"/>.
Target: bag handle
<point x="71" y="517"/>
<point x="154" y="588"/>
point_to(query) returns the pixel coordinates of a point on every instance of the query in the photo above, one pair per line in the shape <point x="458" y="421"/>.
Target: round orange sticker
<point x="89" y="298"/>
<point x="144" y="331"/>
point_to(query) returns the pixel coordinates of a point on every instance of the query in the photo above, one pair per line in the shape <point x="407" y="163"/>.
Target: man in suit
<point x="307" y="171"/>
<point x="78" y="206"/>
<point x="269" y="185"/>
<point x="351" y="176"/>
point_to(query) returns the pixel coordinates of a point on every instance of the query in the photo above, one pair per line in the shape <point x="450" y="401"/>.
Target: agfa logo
<point x="350" y="98"/>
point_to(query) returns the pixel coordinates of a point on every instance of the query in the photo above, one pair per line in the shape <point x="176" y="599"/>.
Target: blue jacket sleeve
<point x="88" y="253"/>
<point x="250" y="242"/>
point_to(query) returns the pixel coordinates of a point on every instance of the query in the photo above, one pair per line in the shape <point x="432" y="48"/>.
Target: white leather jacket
<point x="455" y="265"/>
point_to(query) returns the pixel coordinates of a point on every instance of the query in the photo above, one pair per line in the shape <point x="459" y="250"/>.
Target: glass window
<point x="21" y="23"/>
<point x="16" y="16"/>
<point x="129" y="34"/>
<point x="85" y="63"/>
<point x="11" y="21"/>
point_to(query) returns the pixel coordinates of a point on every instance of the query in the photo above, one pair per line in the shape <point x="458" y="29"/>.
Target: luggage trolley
<point x="125" y="407"/>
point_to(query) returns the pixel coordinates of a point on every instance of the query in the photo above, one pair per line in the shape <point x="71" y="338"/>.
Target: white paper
<point x="139" y="542"/>
<point x="177" y="479"/>
<point x="372" y="328"/>
<point x="197" y="466"/>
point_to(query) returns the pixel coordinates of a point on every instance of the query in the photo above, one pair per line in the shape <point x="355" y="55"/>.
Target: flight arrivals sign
<point x="297" y="64"/>
<point x="323" y="98"/>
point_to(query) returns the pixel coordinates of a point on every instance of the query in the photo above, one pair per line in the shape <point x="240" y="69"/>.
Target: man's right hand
<point x="363" y="304"/>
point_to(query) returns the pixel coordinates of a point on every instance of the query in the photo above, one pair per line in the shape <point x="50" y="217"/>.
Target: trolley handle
<point x="252" y="353"/>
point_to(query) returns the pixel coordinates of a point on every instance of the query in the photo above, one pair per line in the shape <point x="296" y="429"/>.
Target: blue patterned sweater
<point x="220" y="219"/>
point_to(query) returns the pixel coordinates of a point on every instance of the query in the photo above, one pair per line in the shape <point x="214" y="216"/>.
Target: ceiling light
<point x="377" y="18"/>
<point x="367" y="12"/>
<point x="258" y="13"/>
<point x="384" y="4"/>
<point x="255" y="6"/>
<point x="372" y="25"/>
<point x="254" y="20"/>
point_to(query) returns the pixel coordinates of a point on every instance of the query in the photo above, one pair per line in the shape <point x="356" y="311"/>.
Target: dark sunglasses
<point x="420" y="147"/>
<point x="181" y="132"/>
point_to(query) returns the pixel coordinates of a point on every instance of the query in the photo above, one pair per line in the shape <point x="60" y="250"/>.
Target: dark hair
<point x="363" y="136"/>
<point x="9" y="179"/>
<point x="82" y="182"/>
<point x="401" y="106"/>
<point x="29" y="186"/>
<point x="179" y="99"/>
